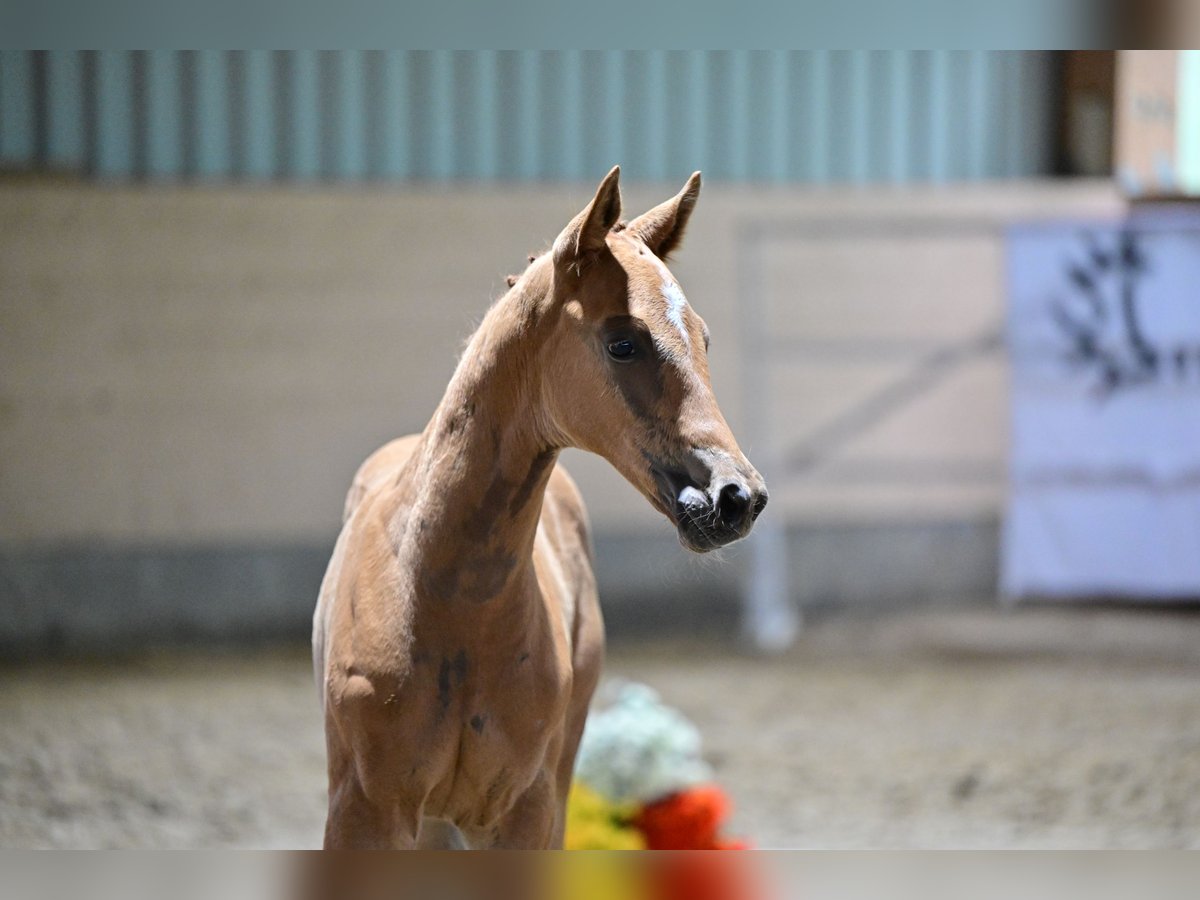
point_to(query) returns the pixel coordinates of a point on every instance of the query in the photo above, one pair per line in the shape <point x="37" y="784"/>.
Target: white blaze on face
<point x="676" y="304"/>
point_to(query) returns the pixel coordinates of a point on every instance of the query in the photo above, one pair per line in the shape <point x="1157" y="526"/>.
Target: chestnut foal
<point x="457" y="639"/>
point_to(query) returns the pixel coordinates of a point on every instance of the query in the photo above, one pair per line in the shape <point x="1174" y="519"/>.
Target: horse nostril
<point x="733" y="505"/>
<point x="760" y="503"/>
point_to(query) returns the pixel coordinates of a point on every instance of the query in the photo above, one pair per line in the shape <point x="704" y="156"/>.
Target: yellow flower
<point x="596" y="823"/>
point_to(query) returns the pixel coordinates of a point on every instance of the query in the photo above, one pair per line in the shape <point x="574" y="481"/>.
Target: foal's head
<point x="628" y="369"/>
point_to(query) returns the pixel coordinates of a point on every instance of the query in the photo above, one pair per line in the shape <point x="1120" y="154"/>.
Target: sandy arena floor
<point x="1042" y="728"/>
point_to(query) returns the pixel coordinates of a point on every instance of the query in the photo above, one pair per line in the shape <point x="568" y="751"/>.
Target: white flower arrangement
<point x="638" y="749"/>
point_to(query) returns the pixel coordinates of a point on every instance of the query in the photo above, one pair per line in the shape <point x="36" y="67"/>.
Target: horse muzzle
<point x="711" y="514"/>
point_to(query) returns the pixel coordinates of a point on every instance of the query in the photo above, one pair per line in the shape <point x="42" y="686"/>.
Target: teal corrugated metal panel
<point x="506" y="114"/>
<point x="763" y="116"/>
<point x="420" y="123"/>
<point x="591" y="101"/>
<point x="17" y="143"/>
<point x="255" y="93"/>
<point x="738" y="130"/>
<point x="756" y="101"/>
<point x="395" y="115"/>
<point x="1030" y="90"/>
<point x="836" y="117"/>
<point x="951" y="140"/>
<point x="994" y="147"/>
<point x="551" y="122"/>
<point x="939" y="115"/>
<point x="634" y="105"/>
<point x="848" y="116"/>
<point x="961" y="150"/>
<point x="66" y="145"/>
<point x="778" y="116"/>
<point x="487" y="112"/>
<point x="1010" y="164"/>
<point x="799" y="129"/>
<point x="164" y="157"/>
<point x="654" y="137"/>
<point x="440" y="113"/>
<point x="372" y="63"/>
<point x="527" y="102"/>
<point x="574" y="114"/>
<point x="1037" y="92"/>
<point x="878" y="115"/>
<point x="847" y="145"/>
<point x="978" y="132"/>
<point x="920" y="117"/>
<point x="820" y="99"/>
<point x="718" y="136"/>
<point x="114" y="114"/>
<point x="860" y="116"/>
<point x="462" y="160"/>
<point x="300" y="137"/>
<point x="698" y="92"/>
<point x="613" y="137"/>
<point x="593" y="122"/>
<point x="900" y="136"/>
<point x="213" y="156"/>
<point x="348" y="117"/>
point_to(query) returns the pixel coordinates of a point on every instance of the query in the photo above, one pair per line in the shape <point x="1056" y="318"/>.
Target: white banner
<point x="1104" y="337"/>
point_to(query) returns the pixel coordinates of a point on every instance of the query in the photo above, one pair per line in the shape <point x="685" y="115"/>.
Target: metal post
<point x="770" y="619"/>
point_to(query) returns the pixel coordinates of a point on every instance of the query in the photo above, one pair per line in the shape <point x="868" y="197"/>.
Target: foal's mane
<point x="511" y="280"/>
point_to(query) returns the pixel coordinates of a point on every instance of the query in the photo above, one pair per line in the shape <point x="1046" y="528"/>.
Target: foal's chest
<point x="502" y="713"/>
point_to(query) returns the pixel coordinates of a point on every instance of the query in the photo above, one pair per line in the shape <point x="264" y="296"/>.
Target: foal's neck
<point x="483" y="464"/>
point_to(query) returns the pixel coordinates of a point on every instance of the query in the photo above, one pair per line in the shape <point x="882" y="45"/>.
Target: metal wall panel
<point x="17" y="113"/>
<point x="847" y="116"/>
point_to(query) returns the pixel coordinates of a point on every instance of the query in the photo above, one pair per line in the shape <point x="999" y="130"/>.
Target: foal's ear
<point x="662" y="227"/>
<point x="586" y="232"/>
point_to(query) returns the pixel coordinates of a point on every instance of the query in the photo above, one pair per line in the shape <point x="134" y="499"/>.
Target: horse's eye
<point x="623" y="349"/>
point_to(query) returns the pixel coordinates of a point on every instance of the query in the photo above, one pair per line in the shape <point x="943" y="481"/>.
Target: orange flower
<point x="688" y="820"/>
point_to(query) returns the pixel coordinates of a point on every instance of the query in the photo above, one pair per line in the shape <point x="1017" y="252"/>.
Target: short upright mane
<point x="511" y="280"/>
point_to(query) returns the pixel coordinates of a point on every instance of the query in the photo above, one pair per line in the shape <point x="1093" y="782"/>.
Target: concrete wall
<point x="199" y="371"/>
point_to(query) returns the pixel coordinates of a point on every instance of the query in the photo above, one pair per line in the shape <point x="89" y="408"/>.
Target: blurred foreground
<point x="780" y="875"/>
<point x="1050" y="728"/>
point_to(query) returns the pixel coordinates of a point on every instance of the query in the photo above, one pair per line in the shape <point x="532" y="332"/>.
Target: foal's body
<point x="485" y="661"/>
<point x="458" y="639"/>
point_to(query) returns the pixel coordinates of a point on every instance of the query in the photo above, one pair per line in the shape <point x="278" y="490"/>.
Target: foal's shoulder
<point x="562" y="495"/>
<point x="563" y="489"/>
<point x="383" y="463"/>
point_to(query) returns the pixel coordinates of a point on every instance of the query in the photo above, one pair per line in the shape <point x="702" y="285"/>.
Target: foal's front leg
<point x="356" y="823"/>
<point x="530" y="824"/>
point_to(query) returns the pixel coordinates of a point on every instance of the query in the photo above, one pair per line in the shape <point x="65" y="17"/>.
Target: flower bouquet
<point x="641" y="782"/>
